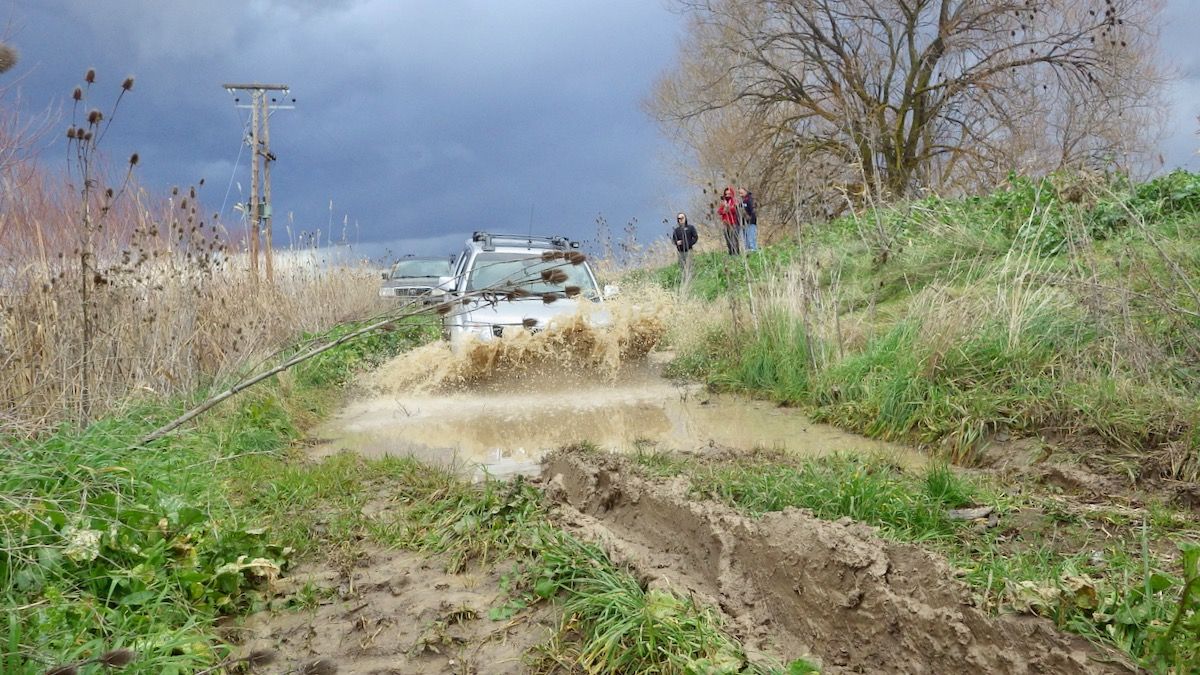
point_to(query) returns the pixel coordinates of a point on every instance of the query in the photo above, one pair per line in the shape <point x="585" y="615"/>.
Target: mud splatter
<point x="570" y="349"/>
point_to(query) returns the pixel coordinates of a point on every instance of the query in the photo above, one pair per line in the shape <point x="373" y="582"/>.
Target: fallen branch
<point x="250" y="382"/>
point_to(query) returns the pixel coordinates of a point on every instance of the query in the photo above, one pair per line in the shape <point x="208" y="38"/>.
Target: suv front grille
<point x="411" y="291"/>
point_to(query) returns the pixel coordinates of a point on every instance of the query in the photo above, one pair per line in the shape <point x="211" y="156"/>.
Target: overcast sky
<point x="420" y="120"/>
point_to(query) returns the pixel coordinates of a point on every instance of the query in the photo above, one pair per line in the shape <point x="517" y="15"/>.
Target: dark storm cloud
<point x="418" y="120"/>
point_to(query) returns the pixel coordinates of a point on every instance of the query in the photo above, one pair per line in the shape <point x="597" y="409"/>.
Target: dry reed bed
<point x="167" y="320"/>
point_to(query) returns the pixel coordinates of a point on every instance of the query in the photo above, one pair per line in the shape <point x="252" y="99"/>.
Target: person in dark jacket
<point x="684" y="236"/>
<point x="749" y="219"/>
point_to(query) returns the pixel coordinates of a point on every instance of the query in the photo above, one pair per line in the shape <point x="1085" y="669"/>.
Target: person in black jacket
<point x="685" y="237"/>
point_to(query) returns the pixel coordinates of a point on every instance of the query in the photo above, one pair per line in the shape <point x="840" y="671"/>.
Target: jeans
<point x="751" y="231"/>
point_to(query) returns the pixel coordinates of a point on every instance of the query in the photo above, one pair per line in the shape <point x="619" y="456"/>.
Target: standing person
<point x="728" y="211"/>
<point x="685" y="237"/>
<point x="749" y="219"/>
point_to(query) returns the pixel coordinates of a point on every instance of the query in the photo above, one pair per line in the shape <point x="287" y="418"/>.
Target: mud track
<point x="793" y="585"/>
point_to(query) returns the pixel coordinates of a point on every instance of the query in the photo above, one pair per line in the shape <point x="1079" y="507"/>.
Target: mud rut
<point x="792" y="584"/>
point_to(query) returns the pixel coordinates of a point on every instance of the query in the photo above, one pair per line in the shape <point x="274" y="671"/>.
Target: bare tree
<point x="911" y="94"/>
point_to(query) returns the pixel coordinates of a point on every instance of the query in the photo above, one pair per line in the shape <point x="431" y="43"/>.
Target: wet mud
<point x="792" y="585"/>
<point x="398" y="612"/>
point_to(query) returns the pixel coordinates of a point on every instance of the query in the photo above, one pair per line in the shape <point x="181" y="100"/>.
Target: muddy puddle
<point x="504" y="426"/>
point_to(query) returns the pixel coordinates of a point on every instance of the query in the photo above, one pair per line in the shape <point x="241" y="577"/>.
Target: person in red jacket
<point x="728" y="211"/>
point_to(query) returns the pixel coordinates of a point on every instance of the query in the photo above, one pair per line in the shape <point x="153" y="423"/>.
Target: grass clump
<point x="611" y="622"/>
<point x="867" y="490"/>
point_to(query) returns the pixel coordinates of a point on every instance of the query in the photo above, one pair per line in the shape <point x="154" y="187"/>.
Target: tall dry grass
<point x="170" y="303"/>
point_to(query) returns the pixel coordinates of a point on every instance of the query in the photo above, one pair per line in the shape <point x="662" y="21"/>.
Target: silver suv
<point x="413" y="276"/>
<point x="505" y="281"/>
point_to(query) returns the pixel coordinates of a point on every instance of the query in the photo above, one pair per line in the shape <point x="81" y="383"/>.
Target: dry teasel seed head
<point x="575" y="257"/>
<point x="127" y="84"/>
<point x="95" y="116"/>
<point x="77" y="94"/>
<point x="571" y="291"/>
<point x="8" y="57"/>
<point x="549" y="256"/>
<point x="443" y="309"/>
<point x="87" y="136"/>
<point x="71" y="132"/>
<point x="69" y="669"/>
<point x="529" y="323"/>
<point x="90" y="77"/>
<point x="133" y="159"/>
<point x="548" y="298"/>
<point x="117" y="658"/>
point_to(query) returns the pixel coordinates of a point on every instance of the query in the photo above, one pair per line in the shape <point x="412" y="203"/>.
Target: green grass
<point x="105" y="544"/>
<point x="872" y="491"/>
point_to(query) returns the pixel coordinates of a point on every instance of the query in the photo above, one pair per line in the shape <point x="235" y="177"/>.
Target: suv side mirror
<point x="444" y="286"/>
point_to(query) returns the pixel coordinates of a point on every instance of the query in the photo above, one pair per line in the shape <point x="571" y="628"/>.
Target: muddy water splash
<point x="570" y="350"/>
<point x="497" y="407"/>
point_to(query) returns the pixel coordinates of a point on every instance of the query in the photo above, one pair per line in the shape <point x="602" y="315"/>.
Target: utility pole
<point x="259" y="209"/>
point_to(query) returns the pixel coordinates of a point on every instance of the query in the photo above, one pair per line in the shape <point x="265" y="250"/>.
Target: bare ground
<point x="792" y="585"/>
<point x="398" y="612"/>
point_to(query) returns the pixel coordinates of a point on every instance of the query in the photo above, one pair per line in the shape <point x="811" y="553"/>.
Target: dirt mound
<point x="794" y="585"/>
<point x="398" y="612"/>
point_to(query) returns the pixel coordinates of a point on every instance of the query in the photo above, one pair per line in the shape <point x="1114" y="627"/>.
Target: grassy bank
<point x="107" y="545"/>
<point x="1064" y="308"/>
<point x="1125" y="578"/>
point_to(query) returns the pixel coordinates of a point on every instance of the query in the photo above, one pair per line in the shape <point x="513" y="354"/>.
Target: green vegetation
<point x="107" y="545"/>
<point x="1061" y="306"/>
<point x="868" y="491"/>
<point x="1091" y="572"/>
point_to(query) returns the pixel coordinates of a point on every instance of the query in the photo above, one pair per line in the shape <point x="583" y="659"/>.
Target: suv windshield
<point x="493" y="269"/>
<point x="421" y="268"/>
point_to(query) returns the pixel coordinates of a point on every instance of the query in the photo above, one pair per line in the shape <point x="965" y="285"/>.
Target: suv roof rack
<point x="491" y="241"/>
